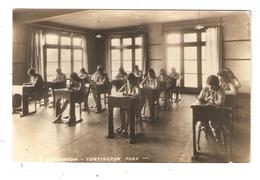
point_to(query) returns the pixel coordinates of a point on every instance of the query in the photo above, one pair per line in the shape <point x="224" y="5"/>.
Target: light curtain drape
<point x="36" y="51"/>
<point x="213" y="50"/>
<point x="85" y="55"/>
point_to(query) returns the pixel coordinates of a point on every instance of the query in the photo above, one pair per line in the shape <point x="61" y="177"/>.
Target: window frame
<point x="59" y="46"/>
<point x="198" y="44"/>
<point x="133" y="47"/>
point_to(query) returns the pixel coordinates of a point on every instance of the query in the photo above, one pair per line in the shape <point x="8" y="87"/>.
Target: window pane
<point x="127" y="54"/>
<point x="191" y="37"/>
<point x="139" y="41"/>
<point x="115" y="54"/>
<point x="174" y="38"/>
<point x="173" y="64"/>
<point x="51" y="68"/>
<point x="115" y="42"/>
<point x="203" y="37"/>
<point x="203" y="52"/>
<point x="65" y="40"/>
<point x="115" y="65"/>
<point x="190" y="66"/>
<point x="190" y="53"/>
<point x="190" y="80"/>
<point x="127" y="41"/>
<point x="52" y="55"/>
<point x="203" y="64"/>
<point x="114" y="73"/>
<point x="173" y="53"/>
<point x="140" y="64"/>
<point x="51" y="78"/>
<point x="66" y="66"/>
<point x="77" y="41"/>
<point x="65" y="55"/>
<point x="52" y="39"/>
<point x="204" y="78"/>
<point x="77" y="54"/>
<point x="127" y="65"/>
<point x="77" y="66"/>
<point x="138" y="54"/>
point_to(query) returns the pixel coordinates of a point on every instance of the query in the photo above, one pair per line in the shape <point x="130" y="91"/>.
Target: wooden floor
<point x="36" y="138"/>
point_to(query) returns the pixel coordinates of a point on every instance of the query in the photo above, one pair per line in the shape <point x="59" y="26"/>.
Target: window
<point x="185" y="51"/>
<point x="63" y="51"/>
<point x="126" y="52"/>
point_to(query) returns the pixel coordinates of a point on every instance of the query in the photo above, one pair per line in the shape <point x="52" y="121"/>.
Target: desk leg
<point x="53" y="95"/>
<point x="194" y="139"/>
<point x="110" y="122"/>
<point x="57" y="106"/>
<point x="98" y="102"/>
<point x="25" y="102"/>
<point x="132" y="125"/>
<point x="72" y="120"/>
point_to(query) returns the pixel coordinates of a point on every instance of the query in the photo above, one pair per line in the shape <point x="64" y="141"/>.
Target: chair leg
<point x="35" y="105"/>
<point x="198" y="139"/>
<point x="80" y="111"/>
<point x="224" y="138"/>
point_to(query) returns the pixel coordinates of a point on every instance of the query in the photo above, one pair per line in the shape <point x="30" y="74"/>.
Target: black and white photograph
<point x="131" y="85"/>
<point x="129" y="89"/>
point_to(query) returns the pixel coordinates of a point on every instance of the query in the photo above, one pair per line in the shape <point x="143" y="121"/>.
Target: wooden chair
<point x="42" y="98"/>
<point x="205" y="113"/>
<point x="166" y="98"/>
<point x="106" y="93"/>
<point x="151" y="93"/>
<point x="231" y="100"/>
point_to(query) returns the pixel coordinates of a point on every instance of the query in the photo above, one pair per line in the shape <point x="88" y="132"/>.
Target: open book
<point x="204" y="103"/>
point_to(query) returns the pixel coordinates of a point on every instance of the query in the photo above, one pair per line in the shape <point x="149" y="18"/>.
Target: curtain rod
<point x="49" y="27"/>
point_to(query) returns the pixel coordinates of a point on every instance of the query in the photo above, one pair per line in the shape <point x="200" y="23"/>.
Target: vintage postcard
<point x="110" y="86"/>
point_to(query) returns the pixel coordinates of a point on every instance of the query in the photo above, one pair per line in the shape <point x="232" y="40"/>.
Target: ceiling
<point x="107" y="19"/>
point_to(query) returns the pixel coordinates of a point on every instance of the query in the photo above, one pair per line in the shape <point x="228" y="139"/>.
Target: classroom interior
<point x="76" y="38"/>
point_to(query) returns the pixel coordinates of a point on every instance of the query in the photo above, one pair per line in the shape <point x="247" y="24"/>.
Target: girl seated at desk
<point x="138" y="73"/>
<point x="151" y="82"/>
<point x="122" y="75"/>
<point x="176" y="79"/>
<point x="84" y="75"/>
<point x="76" y="84"/>
<point x="226" y="83"/>
<point x="99" y="78"/>
<point x="131" y="88"/>
<point x="213" y="95"/>
<point x="165" y="86"/>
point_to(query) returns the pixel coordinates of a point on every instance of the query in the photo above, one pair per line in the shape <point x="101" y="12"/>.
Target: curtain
<point x="108" y="58"/>
<point x="85" y="55"/>
<point x="213" y="50"/>
<point x="145" y="49"/>
<point x="36" y="51"/>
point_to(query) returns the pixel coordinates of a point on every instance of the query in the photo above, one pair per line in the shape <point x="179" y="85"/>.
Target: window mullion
<point x="199" y="60"/>
<point x="133" y="53"/>
<point x="71" y="55"/>
<point x="121" y="52"/>
<point x="59" y="51"/>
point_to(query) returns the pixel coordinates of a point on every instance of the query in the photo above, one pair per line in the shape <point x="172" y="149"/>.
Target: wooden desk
<point x="204" y="112"/>
<point x="98" y="89"/>
<point x="73" y="97"/>
<point x="55" y="85"/>
<point x="129" y="103"/>
<point x="27" y="91"/>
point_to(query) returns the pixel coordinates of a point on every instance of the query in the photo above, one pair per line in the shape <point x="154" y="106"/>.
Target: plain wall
<point x="20" y="53"/>
<point x="237" y="48"/>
